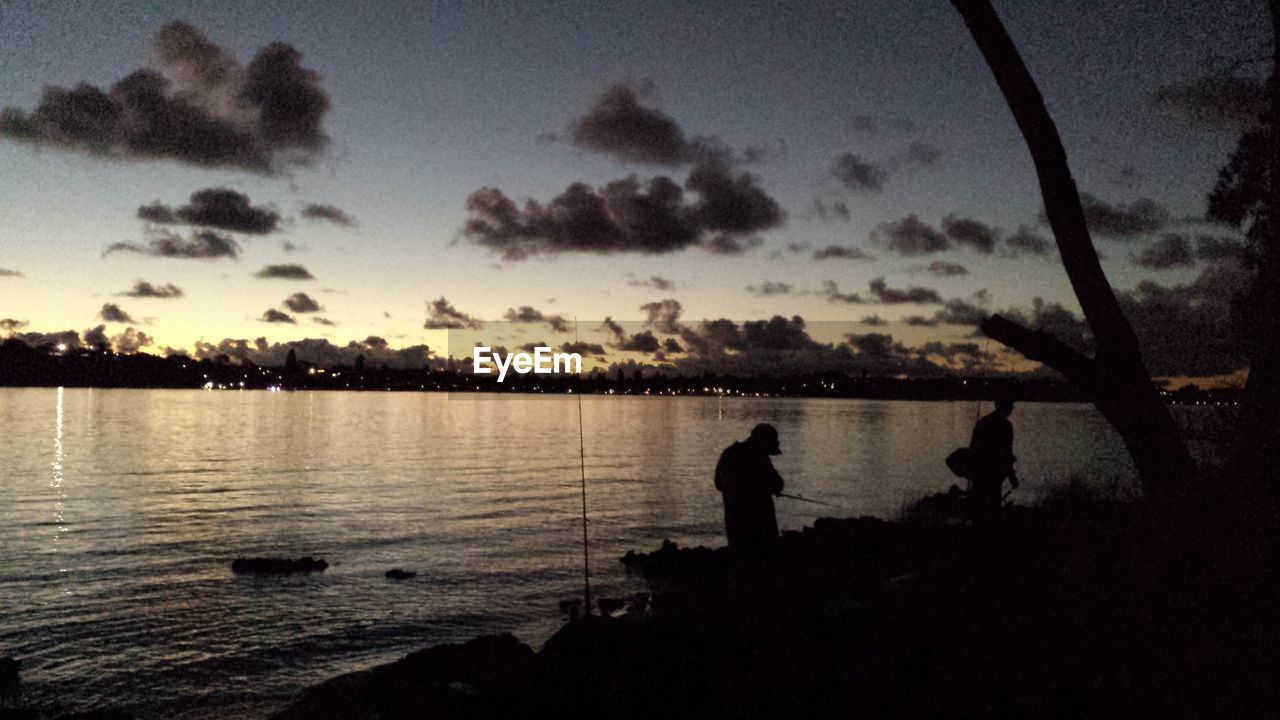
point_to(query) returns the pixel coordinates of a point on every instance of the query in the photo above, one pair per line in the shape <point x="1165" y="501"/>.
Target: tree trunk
<point x="1117" y="379"/>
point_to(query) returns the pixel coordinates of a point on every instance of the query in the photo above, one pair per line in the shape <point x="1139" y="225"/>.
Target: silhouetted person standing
<point x="992" y="447"/>
<point x="747" y="483"/>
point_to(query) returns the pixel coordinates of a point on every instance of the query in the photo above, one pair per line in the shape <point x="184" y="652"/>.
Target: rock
<point x="398" y="574"/>
<point x="9" y="668"/>
<point x="277" y="566"/>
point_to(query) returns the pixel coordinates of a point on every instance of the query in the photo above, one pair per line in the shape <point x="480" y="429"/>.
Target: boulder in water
<point x="277" y="566"/>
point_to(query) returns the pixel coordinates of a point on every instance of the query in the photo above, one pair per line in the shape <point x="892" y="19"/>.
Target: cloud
<point x="11" y="325"/>
<point x="1220" y="100"/>
<point x="527" y="314"/>
<point x="1215" y="249"/>
<point x="219" y="208"/>
<point x="275" y="316"/>
<point x="201" y="245"/>
<point x="1120" y="222"/>
<point x="1027" y="241"/>
<point x="663" y="315"/>
<point x="656" y="282"/>
<point x="323" y="321"/>
<point x="621" y="124"/>
<point x="909" y="236"/>
<point x="942" y="268"/>
<point x="832" y="293"/>
<point x="131" y="341"/>
<point x="196" y="104"/>
<point x="873" y="320"/>
<point x="859" y="174"/>
<point x="301" y="302"/>
<point x="1189" y="329"/>
<point x="918" y="155"/>
<point x="623" y="216"/>
<point x="4" y="272"/>
<point x="892" y="296"/>
<point x="582" y="348"/>
<point x="112" y="313"/>
<point x="287" y="271"/>
<point x="769" y="288"/>
<point x="324" y="212"/>
<point x="838" y="209"/>
<point x="143" y="289"/>
<point x="643" y="342"/>
<point x="318" y="351"/>
<point x="841" y="252"/>
<point x="442" y="315"/>
<point x="975" y="234"/>
<point x="1170" y="251"/>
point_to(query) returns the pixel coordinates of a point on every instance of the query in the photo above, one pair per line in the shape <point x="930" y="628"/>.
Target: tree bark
<point x="1116" y="378"/>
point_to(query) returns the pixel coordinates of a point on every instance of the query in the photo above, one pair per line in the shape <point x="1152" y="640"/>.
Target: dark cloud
<point x="892" y="296"/>
<point x="841" y="252"/>
<point x="1120" y="222"/>
<point x="219" y="208"/>
<point x="643" y="342"/>
<point x="1027" y="241"/>
<point x="325" y="212"/>
<point x="582" y="348"/>
<point x="4" y="272"/>
<point x="663" y="315"/>
<point x="623" y="216"/>
<point x="918" y="155"/>
<point x="1215" y="249"/>
<point x="131" y="341"/>
<point x="275" y="316"/>
<point x="11" y="325"/>
<point x="301" y="302"/>
<point x="654" y="281"/>
<point x="620" y="123"/>
<point x="832" y="293"/>
<point x="287" y="271"/>
<point x="859" y="174"/>
<point x="768" y="288"/>
<point x="195" y="105"/>
<point x="942" y="268"/>
<point x="960" y="312"/>
<point x="1170" y="251"/>
<point x="973" y="233"/>
<point x="671" y="345"/>
<point x="113" y="313"/>
<point x="1221" y="100"/>
<point x="316" y="350"/>
<point x="527" y="314"/>
<point x="143" y="289"/>
<point x="442" y="315"/>
<point x="323" y="321"/>
<point x="909" y="236"/>
<point x="96" y="338"/>
<point x="873" y="320"/>
<point x="202" y="245"/>
<point x="838" y="209"/>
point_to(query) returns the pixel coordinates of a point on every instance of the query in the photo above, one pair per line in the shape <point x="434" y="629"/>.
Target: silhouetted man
<point x="992" y="446"/>
<point x="747" y="482"/>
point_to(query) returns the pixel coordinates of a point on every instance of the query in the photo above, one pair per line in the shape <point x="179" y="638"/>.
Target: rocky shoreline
<point x="1060" y="611"/>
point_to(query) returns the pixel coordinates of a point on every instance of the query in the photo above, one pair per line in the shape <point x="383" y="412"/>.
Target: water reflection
<point x="60" y="497"/>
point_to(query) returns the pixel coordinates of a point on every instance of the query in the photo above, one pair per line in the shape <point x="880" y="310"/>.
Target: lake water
<point x="120" y="511"/>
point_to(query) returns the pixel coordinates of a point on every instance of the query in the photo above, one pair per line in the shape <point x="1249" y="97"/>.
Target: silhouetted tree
<point x="1246" y="196"/>
<point x="359" y="362"/>
<point x="1115" y="378"/>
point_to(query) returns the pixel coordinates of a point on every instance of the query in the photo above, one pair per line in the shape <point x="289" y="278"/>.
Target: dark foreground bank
<point x="1071" y="610"/>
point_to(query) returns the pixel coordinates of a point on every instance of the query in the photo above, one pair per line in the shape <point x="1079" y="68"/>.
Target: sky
<point x="802" y="152"/>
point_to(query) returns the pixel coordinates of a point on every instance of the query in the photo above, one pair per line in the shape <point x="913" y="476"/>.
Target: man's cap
<point x="767" y="436"/>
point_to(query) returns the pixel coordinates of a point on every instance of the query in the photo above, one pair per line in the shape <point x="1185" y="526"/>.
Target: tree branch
<point x="1041" y="347"/>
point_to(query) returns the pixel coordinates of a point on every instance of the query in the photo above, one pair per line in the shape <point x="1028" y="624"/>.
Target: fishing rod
<point x="582" y="458"/>
<point x="815" y="502"/>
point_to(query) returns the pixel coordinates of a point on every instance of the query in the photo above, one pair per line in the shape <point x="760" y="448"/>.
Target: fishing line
<point x="815" y="502"/>
<point x="582" y="458"/>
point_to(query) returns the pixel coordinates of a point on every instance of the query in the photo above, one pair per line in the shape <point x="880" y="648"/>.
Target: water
<point x="122" y="509"/>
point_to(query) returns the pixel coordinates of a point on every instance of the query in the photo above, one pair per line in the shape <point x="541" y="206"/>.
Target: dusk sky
<point x="783" y="130"/>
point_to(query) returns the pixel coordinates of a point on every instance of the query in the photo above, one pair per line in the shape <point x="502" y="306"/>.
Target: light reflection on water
<point x="114" y="575"/>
